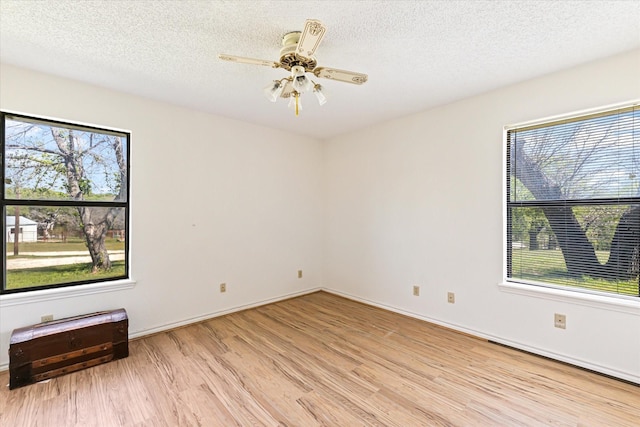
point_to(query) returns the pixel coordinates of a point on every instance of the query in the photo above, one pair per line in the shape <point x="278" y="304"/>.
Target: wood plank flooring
<point x="322" y="360"/>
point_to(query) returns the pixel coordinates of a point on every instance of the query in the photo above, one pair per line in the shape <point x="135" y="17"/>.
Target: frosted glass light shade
<point x="318" y="91"/>
<point x="274" y="90"/>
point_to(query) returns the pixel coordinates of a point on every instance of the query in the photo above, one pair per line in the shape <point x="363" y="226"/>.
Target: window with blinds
<point x="573" y="203"/>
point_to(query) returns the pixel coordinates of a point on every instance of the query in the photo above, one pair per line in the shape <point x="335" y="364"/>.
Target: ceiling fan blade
<point x="340" y="75"/>
<point x="243" y="60"/>
<point x="310" y="38"/>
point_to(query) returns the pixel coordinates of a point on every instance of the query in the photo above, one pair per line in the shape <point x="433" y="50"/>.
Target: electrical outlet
<point x="560" y="321"/>
<point x="299" y="274"/>
<point x="451" y="298"/>
<point x="46" y="318"/>
<point x="416" y="290"/>
<point x="223" y="287"/>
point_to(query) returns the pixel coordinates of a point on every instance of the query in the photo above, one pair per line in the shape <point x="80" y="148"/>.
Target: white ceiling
<point x="418" y="54"/>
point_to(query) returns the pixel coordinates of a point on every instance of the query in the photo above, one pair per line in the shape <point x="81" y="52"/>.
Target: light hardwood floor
<point x="321" y="359"/>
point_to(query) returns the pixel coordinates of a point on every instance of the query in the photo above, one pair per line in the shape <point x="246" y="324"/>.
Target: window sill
<point x="69" y="292"/>
<point x="623" y="305"/>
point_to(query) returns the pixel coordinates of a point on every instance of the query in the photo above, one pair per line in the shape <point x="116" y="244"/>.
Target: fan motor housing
<point x="288" y="57"/>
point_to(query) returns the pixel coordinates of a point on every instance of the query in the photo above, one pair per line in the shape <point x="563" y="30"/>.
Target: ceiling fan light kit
<point x="274" y="90"/>
<point x="297" y="56"/>
<point x="317" y="90"/>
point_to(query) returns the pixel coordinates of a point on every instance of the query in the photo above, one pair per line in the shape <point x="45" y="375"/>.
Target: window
<point x="66" y="189"/>
<point x="573" y="203"/>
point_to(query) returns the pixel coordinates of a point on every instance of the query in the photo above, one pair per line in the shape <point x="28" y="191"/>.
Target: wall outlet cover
<point x="560" y="321"/>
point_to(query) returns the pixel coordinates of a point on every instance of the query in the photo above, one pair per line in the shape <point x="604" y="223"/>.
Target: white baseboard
<point x="626" y="376"/>
<point x="207" y="316"/>
<point x="168" y="326"/>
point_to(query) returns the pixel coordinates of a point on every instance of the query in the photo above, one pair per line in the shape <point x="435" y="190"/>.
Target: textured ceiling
<point x="418" y="54"/>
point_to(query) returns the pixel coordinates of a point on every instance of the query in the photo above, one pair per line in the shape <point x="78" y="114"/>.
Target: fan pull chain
<point x="296" y="94"/>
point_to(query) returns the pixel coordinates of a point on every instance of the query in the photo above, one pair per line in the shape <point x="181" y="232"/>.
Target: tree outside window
<point x="573" y="205"/>
<point x="70" y="184"/>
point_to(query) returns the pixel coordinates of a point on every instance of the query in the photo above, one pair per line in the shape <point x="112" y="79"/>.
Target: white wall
<point x="420" y="201"/>
<point x="213" y="200"/>
<point x="365" y="215"/>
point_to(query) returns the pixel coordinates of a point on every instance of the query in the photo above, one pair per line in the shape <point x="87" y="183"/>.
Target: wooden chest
<point x="51" y="349"/>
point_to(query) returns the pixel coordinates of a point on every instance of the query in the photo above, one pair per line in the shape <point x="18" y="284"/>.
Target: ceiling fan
<point x="297" y="56"/>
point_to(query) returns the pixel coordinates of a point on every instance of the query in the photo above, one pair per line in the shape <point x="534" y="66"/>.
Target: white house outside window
<point x="66" y="190"/>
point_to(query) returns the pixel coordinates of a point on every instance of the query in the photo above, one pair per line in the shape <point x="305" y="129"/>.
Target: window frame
<point x="553" y="290"/>
<point x="15" y="296"/>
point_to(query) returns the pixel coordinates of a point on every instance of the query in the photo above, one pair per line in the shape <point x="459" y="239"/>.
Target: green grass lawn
<point x="60" y="274"/>
<point x="548" y="266"/>
<point x="69" y="245"/>
<point x="18" y="279"/>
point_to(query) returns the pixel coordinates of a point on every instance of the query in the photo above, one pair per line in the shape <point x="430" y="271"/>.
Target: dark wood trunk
<point x="51" y="349"/>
